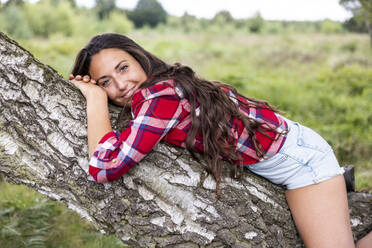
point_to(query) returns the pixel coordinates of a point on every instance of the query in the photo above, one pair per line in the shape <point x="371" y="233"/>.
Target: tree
<point x="14" y="2"/>
<point x="50" y="18"/>
<point x="165" y="201"/>
<point x="104" y="8"/>
<point x="256" y="23"/>
<point x="223" y="16"/>
<point x="355" y="25"/>
<point x="362" y="11"/>
<point x="71" y="2"/>
<point x="148" y="12"/>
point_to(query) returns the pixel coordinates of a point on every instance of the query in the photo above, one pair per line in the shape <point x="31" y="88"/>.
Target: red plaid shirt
<point x="160" y="112"/>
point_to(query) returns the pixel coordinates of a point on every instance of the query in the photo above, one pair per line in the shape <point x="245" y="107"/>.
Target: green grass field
<point x="322" y="81"/>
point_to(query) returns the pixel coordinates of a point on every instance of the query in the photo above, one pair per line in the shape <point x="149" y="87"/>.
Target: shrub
<point x="116" y="22"/>
<point x="13" y="22"/>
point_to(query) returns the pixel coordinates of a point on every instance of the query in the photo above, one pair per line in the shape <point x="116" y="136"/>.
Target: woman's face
<point x="118" y="73"/>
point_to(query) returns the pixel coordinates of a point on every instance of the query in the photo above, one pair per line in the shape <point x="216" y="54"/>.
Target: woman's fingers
<point x="86" y="78"/>
<point x="78" y="78"/>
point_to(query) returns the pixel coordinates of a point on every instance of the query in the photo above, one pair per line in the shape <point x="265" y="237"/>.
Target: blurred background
<point x="311" y="59"/>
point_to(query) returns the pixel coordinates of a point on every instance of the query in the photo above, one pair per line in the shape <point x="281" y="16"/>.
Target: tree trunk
<point x="167" y="200"/>
<point x="369" y="27"/>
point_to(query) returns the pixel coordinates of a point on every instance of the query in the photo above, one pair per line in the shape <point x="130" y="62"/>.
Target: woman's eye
<point x="123" y="68"/>
<point x="105" y="83"/>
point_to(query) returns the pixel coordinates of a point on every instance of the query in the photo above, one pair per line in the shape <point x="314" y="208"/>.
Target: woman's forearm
<point x="98" y="121"/>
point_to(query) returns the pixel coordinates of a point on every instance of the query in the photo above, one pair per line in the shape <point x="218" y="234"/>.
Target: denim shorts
<point x="304" y="159"/>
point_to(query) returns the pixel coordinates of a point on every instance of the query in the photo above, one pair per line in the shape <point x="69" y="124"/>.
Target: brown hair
<point x="216" y="107"/>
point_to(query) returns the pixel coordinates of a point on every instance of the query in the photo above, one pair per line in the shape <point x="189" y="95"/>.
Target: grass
<point x="28" y="219"/>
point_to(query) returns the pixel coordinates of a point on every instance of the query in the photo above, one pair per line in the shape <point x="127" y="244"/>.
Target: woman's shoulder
<point x="161" y="88"/>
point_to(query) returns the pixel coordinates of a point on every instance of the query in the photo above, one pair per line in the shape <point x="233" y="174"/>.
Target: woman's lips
<point x="128" y="93"/>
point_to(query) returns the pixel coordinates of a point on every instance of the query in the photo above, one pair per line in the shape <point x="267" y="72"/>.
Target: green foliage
<point x="13" y="3"/>
<point x="50" y="18"/>
<point x="273" y="27"/>
<point x="256" y="23"/>
<point x="104" y="8"/>
<point x="57" y="50"/>
<point x="331" y="27"/>
<point x="188" y="23"/>
<point x="116" y="22"/>
<point x="148" y="12"/>
<point x="85" y="23"/>
<point x="29" y="220"/>
<point x="362" y="11"/>
<point x="351" y="46"/>
<point x="223" y="17"/>
<point x="13" y="22"/>
<point x="64" y="17"/>
<point x="71" y="2"/>
<point x="355" y="25"/>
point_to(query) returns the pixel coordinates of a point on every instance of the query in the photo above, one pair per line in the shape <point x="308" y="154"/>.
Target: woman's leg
<point x="365" y="242"/>
<point x="321" y="214"/>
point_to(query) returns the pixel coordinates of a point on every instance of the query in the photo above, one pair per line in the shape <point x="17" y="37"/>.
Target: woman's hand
<point x="87" y="86"/>
<point x="98" y="117"/>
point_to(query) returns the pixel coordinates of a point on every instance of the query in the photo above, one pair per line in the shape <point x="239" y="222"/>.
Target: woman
<point x="170" y="103"/>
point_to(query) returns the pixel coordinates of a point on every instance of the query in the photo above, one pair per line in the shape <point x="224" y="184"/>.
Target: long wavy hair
<point x="216" y="109"/>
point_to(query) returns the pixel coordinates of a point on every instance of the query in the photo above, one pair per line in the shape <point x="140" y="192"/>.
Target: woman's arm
<point x="156" y="112"/>
<point x="97" y="109"/>
<point x="98" y="120"/>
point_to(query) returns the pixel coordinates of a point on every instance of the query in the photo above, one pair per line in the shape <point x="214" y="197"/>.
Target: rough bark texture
<point x="165" y="201"/>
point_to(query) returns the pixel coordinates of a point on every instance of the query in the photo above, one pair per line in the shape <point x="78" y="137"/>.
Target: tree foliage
<point x="223" y="16"/>
<point x="13" y="22"/>
<point x="362" y="11"/>
<point x="104" y="8"/>
<point x="72" y="2"/>
<point x="148" y="12"/>
<point x="13" y="2"/>
<point x="50" y="18"/>
<point x="116" y="22"/>
<point x="256" y="23"/>
<point x="331" y="27"/>
<point x="45" y="18"/>
<point x="354" y="24"/>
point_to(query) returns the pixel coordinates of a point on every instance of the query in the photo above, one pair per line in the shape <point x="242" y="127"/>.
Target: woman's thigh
<point x="321" y="213"/>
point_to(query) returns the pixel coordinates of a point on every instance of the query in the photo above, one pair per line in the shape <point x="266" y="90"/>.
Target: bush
<point x="45" y="18"/>
<point x="148" y="12"/>
<point x="256" y="23"/>
<point x="329" y="27"/>
<point x="13" y="22"/>
<point x="116" y="22"/>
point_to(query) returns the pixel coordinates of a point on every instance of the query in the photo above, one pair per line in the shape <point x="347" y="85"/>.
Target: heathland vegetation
<point x="318" y="73"/>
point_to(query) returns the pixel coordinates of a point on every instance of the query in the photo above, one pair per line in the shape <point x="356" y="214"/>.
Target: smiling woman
<point x="171" y="103"/>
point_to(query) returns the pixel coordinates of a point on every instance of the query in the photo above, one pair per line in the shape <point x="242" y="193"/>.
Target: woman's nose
<point x="121" y="84"/>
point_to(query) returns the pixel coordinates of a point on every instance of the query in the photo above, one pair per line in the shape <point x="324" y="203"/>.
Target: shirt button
<point x="114" y="161"/>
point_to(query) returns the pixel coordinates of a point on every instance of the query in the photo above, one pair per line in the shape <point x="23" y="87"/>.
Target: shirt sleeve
<point x="155" y="115"/>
